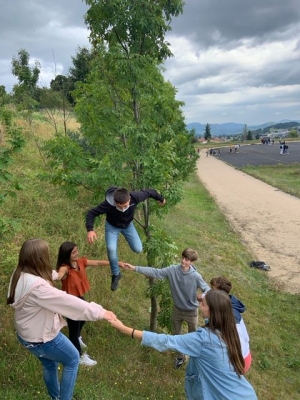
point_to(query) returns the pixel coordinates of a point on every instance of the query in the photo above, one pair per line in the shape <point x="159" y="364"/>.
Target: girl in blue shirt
<point x="216" y="365"/>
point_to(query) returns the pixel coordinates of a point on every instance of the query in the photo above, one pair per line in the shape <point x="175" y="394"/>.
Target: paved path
<point x="257" y="154"/>
<point x="267" y="219"/>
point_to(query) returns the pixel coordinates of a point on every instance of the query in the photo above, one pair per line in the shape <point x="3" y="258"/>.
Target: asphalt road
<point x="260" y="154"/>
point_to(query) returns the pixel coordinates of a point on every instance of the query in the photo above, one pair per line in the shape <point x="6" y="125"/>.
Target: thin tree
<point x="132" y="123"/>
<point x="207" y="132"/>
<point x="26" y="90"/>
<point x="245" y="133"/>
<point x="249" y="135"/>
<point x="14" y="142"/>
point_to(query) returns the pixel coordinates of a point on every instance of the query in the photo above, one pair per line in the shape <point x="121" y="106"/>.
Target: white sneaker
<point x="86" y="360"/>
<point x="82" y="344"/>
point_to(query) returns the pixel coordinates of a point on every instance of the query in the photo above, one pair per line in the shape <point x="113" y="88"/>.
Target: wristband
<point x="132" y="333"/>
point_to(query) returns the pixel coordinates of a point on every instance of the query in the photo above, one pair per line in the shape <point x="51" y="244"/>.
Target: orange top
<point x="76" y="282"/>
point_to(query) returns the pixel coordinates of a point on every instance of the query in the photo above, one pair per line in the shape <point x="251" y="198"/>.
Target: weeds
<point x="125" y="369"/>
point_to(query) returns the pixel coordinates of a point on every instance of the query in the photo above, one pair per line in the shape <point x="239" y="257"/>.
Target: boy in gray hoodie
<point x="184" y="281"/>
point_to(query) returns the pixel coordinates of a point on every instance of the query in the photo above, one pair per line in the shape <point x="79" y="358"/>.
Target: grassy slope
<point x="282" y="176"/>
<point x="125" y="370"/>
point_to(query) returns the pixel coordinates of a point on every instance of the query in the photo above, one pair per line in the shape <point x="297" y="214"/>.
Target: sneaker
<point x="82" y="344"/>
<point x="86" y="360"/>
<point x="115" y="281"/>
<point x="179" y="362"/>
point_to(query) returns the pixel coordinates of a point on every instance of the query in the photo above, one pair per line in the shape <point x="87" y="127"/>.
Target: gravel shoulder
<point x="267" y="220"/>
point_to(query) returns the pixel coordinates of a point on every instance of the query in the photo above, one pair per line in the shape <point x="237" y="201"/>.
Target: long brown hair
<point x="34" y="259"/>
<point x="222" y="323"/>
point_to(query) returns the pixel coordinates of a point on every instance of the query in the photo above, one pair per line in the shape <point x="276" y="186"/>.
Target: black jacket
<point x="115" y="217"/>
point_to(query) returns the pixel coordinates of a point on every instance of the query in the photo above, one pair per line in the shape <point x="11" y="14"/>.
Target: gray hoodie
<point x="183" y="284"/>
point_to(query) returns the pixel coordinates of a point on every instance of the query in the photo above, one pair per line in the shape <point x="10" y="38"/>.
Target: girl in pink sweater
<point x="38" y="308"/>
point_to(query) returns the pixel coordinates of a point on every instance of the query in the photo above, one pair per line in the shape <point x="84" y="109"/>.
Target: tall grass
<point x="125" y="369"/>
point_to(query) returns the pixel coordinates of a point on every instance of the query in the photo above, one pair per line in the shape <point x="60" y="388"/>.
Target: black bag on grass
<point x="260" y="265"/>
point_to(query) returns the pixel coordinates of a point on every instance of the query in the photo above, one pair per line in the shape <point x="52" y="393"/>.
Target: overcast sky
<point x="234" y="60"/>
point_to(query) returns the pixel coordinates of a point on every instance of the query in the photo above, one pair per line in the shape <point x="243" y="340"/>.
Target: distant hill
<point x="281" y="125"/>
<point x="232" y="128"/>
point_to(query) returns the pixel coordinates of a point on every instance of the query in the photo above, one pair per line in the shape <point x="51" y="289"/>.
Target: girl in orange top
<point x="71" y="271"/>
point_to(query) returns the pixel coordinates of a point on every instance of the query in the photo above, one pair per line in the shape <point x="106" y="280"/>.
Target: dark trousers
<point x="74" y="332"/>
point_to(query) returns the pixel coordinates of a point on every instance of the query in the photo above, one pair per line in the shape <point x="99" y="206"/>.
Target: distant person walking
<point x="281" y="147"/>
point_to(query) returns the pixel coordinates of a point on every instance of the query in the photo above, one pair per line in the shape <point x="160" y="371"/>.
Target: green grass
<point x="282" y="176"/>
<point x="125" y="369"/>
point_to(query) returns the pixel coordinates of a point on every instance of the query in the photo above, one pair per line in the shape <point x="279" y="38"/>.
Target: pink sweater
<point x="39" y="306"/>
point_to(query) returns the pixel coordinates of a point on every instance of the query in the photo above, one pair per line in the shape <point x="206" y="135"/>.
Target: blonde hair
<point x="34" y="259"/>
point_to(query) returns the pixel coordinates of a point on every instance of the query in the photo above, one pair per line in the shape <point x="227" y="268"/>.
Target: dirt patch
<point x="267" y="219"/>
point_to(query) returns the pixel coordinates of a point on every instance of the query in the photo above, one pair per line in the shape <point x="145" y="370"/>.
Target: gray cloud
<point x="220" y="22"/>
<point x="233" y="60"/>
<point x="50" y="31"/>
<point x="236" y="60"/>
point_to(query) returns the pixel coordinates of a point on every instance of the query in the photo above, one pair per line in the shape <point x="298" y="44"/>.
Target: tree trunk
<point x="153" y="314"/>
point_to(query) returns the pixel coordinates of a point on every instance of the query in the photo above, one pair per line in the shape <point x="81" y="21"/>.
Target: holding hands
<point x="109" y="316"/>
<point x="128" y="266"/>
<point x="200" y="297"/>
<point x="126" y="330"/>
<point x="116" y="323"/>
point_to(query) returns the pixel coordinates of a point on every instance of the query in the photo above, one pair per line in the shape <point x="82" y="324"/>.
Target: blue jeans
<point x="111" y="239"/>
<point x="51" y="354"/>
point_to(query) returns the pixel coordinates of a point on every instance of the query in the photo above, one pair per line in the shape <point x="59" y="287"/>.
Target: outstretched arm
<point x="157" y="273"/>
<point x="93" y="213"/>
<point x="134" y="333"/>
<point x="102" y="263"/>
<point x="97" y="263"/>
<point x="142" y="195"/>
<point x="189" y="344"/>
<point x="60" y="274"/>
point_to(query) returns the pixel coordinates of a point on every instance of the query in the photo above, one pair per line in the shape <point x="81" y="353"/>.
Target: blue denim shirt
<point x="209" y="374"/>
